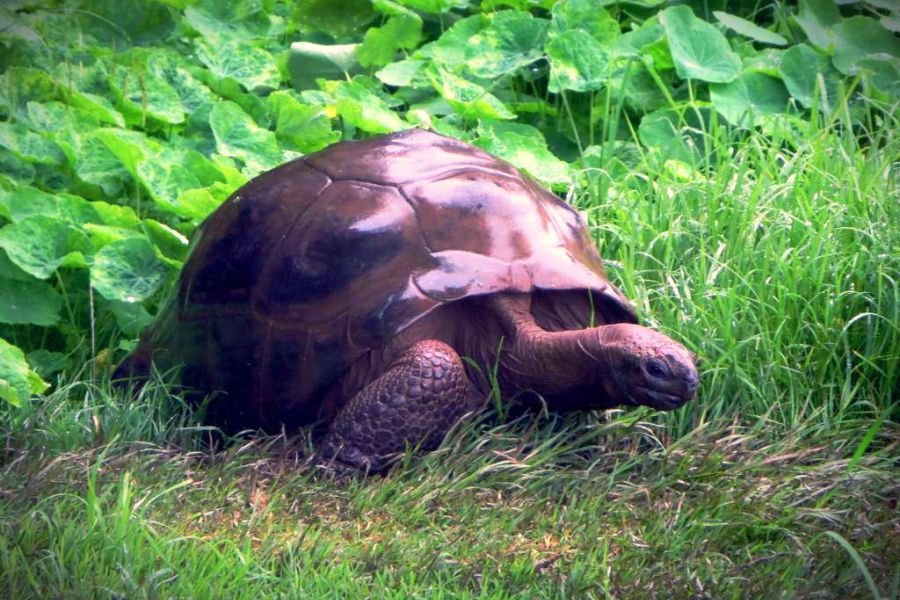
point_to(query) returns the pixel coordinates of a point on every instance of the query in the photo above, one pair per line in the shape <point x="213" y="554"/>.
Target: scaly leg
<point x="413" y="403"/>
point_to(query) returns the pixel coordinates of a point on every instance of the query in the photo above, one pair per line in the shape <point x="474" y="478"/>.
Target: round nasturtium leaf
<point x="577" y="62"/>
<point x="17" y="381"/>
<point x="513" y="39"/>
<point x="40" y="244"/>
<point x="749" y="97"/>
<point x="251" y="66"/>
<point x="31" y="302"/>
<point x="801" y="69"/>
<point x="587" y="16"/>
<point x="467" y="98"/>
<point x="859" y="38"/>
<point x="699" y="49"/>
<point x="359" y="105"/>
<point x="523" y="146"/>
<point x="306" y="127"/>
<point x="381" y="44"/>
<point x="127" y="270"/>
<point x="151" y="95"/>
<point x="97" y="165"/>
<point x="816" y="18"/>
<point x="238" y="136"/>
<point x="30" y="146"/>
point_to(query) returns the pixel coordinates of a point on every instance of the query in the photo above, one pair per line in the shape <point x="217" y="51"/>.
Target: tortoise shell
<point x="312" y="265"/>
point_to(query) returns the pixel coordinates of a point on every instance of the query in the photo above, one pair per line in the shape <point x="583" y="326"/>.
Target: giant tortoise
<point x="347" y="287"/>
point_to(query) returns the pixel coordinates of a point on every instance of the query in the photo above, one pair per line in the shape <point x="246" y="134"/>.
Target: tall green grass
<point x="777" y="262"/>
<point x="778" y="265"/>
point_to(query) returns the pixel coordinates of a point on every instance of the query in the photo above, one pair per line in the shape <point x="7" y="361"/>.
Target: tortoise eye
<point x="657" y="368"/>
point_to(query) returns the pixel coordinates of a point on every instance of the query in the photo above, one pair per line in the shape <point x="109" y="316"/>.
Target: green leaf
<point x="40" y="244"/>
<point x="586" y="16"/>
<point x="238" y="136"/>
<point x="766" y="61"/>
<point x="17" y="381"/>
<point x="116" y="215"/>
<point x="174" y="171"/>
<point x="131" y="317"/>
<point x="235" y="19"/>
<point x="749" y="97"/>
<point x="524" y="147"/>
<point x="308" y="62"/>
<point x="881" y="77"/>
<point x="816" y="18"/>
<point x="58" y="119"/>
<point x="512" y="40"/>
<point x="802" y="68"/>
<point x="129" y="146"/>
<point x="127" y="270"/>
<point x="699" y="50"/>
<point x="468" y="99"/>
<point x="15" y="167"/>
<point x="249" y="65"/>
<point x="89" y="90"/>
<point x="859" y="38"/>
<point x="380" y="44"/>
<point x="649" y="43"/>
<point x="749" y="29"/>
<point x="449" y="50"/>
<point x="577" y="62"/>
<point x="363" y="108"/>
<point x="676" y="136"/>
<point x="642" y="90"/>
<point x="46" y="363"/>
<point x="30" y="146"/>
<point x="137" y="22"/>
<point x="26" y="201"/>
<point x="8" y="270"/>
<point x="618" y="163"/>
<point x="28" y="302"/>
<point x="306" y="127"/>
<point x="97" y="106"/>
<point x="404" y="73"/>
<point x="20" y="85"/>
<point x="194" y="97"/>
<point x="340" y="19"/>
<point x="96" y="164"/>
<point x="169" y="242"/>
<point x="142" y="92"/>
<point x="891" y="23"/>
<point x="195" y="204"/>
<point x="431" y="6"/>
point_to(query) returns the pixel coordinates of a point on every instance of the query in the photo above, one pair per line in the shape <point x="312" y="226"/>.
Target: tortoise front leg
<point x="413" y="403"/>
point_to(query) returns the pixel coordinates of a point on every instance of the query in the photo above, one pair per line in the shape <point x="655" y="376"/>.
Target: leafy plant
<point x="122" y="128"/>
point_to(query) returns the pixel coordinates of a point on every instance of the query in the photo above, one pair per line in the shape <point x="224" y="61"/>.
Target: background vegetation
<point x="736" y="162"/>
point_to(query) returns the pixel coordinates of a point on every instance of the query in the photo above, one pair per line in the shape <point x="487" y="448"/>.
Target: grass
<point x="555" y="508"/>
<point x="778" y="265"/>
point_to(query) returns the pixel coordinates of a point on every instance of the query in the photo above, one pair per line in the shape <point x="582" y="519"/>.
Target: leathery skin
<point x="413" y="403"/>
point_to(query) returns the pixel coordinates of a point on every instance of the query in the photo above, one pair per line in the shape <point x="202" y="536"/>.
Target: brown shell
<point x="311" y="265"/>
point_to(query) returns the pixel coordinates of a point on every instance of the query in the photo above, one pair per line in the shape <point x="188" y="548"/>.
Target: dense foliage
<point x="126" y="123"/>
<point x="736" y="162"/>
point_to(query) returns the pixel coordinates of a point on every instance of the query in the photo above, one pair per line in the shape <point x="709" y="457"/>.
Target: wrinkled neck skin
<point x="576" y="369"/>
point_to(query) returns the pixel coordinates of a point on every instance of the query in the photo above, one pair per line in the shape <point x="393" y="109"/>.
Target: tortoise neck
<point x="551" y="362"/>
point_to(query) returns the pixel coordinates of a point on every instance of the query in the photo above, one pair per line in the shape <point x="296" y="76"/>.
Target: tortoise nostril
<point x="691" y="383"/>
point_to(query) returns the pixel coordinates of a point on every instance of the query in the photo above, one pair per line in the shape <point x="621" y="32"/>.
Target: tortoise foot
<point x="412" y="404"/>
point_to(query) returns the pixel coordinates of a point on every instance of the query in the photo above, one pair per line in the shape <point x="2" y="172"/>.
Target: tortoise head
<point x="641" y="366"/>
